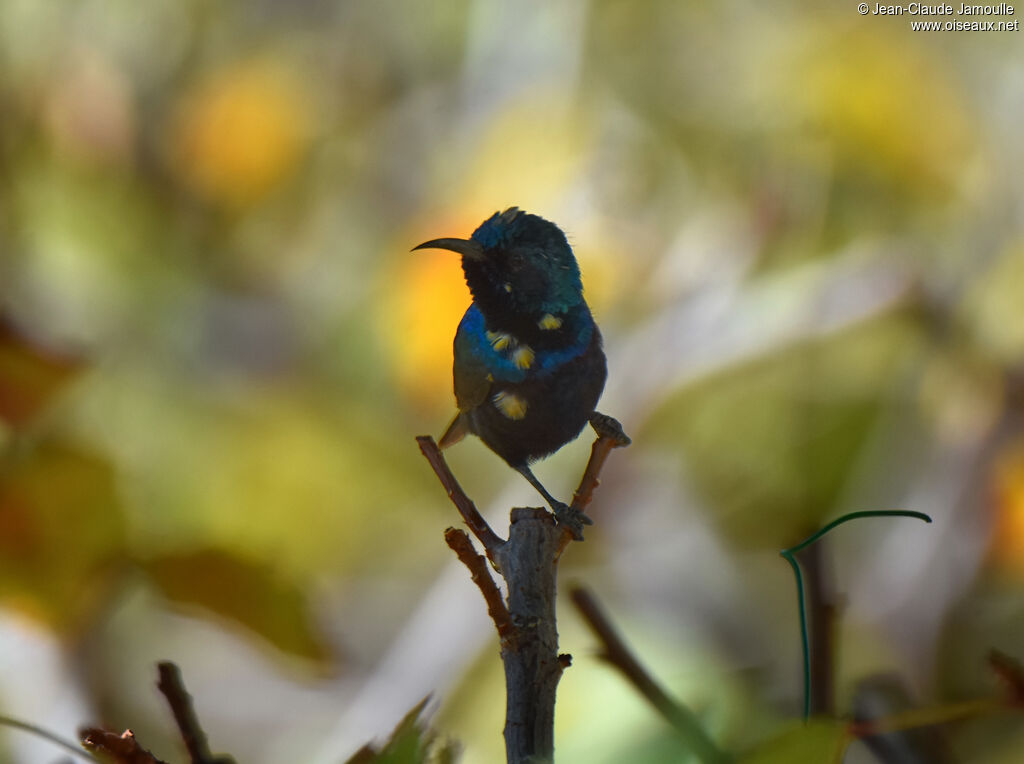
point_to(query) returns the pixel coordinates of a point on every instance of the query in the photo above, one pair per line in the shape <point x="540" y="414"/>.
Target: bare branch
<point x="173" y="688"/>
<point x="459" y="542"/>
<point x="491" y="541"/>
<point x="609" y="436"/>
<point x="532" y="663"/>
<point x="821" y="620"/>
<point x="123" y="748"/>
<point x="528" y="562"/>
<point x="1009" y="669"/>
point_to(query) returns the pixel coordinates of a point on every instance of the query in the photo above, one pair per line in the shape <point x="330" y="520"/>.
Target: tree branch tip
<point x="172" y="686"/>
<point x="123" y="747"/>
<point x="1011" y="672"/>
<point x="460" y="543"/>
<point x="168" y="671"/>
<point x="609" y="428"/>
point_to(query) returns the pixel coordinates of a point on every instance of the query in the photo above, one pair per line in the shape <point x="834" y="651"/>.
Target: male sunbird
<point x="529" y="367"/>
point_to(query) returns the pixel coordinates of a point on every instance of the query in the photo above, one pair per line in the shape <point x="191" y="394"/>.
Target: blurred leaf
<point x="29" y="376"/>
<point x="274" y="474"/>
<point x="993" y="310"/>
<point x="246" y="592"/>
<point x="410" y="743"/>
<point x="888" y="108"/>
<point x="60" y="528"/>
<point x="772" y="444"/>
<point x="819" y="741"/>
<point x="961" y="394"/>
<point x="990" y="616"/>
<point x="96" y="250"/>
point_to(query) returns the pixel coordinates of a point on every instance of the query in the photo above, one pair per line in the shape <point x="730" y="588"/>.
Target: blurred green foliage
<point x="780" y="437"/>
<point x="410" y="743"/>
<point x="62" y="532"/>
<point x="818" y="740"/>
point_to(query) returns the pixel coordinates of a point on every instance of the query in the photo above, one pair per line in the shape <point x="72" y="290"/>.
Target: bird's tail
<point x="456" y="431"/>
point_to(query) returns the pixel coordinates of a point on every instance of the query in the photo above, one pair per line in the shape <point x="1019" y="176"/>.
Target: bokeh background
<point x="799" y="228"/>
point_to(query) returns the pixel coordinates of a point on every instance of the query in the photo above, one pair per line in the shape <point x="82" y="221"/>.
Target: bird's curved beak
<point x="465" y="247"/>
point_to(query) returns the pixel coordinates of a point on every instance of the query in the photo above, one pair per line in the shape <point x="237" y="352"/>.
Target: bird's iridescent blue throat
<point x="529" y="365"/>
<point x="500" y="354"/>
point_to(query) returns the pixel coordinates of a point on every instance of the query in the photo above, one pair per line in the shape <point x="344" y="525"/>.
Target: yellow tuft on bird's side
<point x="499" y="340"/>
<point x="510" y="404"/>
<point x="523" y="357"/>
<point x="549" y="322"/>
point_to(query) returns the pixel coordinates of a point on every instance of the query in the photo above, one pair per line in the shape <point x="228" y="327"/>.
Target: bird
<point x="529" y="365"/>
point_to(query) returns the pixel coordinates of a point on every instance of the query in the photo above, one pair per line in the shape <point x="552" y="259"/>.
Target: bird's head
<point x="517" y="264"/>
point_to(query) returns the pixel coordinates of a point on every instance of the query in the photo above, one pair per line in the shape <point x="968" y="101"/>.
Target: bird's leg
<point x="566" y="516"/>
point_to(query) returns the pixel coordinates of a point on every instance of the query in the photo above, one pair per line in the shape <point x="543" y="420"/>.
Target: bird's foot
<point x="609" y="427"/>
<point x="571" y="519"/>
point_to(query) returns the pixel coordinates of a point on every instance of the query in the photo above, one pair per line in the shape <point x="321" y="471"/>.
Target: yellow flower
<point x="422" y="299"/>
<point x="1008" y="490"/>
<point x="239" y="133"/>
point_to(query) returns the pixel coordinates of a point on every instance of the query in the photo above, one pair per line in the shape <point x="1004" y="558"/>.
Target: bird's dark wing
<point x="473" y="377"/>
<point x="483" y="359"/>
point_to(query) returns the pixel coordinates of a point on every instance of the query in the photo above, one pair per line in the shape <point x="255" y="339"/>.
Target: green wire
<point x="57" y="740"/>
<point x="789" y="555"/>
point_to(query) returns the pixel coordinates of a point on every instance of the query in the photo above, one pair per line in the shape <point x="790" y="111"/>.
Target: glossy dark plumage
<point x="559" y="397"/>
<point x="529" y="367"/>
